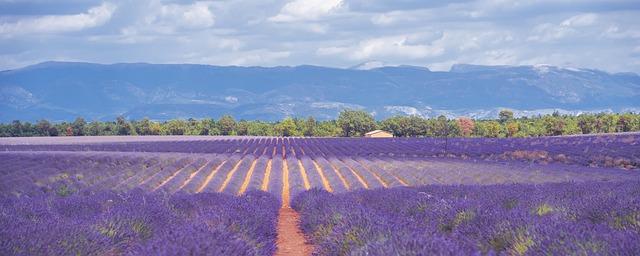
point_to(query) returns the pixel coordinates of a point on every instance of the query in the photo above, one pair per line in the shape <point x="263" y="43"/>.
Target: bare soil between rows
<point x="291" y="240"/>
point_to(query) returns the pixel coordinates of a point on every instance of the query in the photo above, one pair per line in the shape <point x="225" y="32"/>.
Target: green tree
<point x="392" y="125"/>
<point x="16" y="129"/>
<point x="310" y="127"/>
<point x="625" y="123"/>
<point x="242" y="128"/>
<point x="553" y="125"/>
<point x="79" y="127"/>
<point x="505" y="115"/>
<point x="441" y="127"/>
<point x="355" y="123"/>
<point x="193" y="127"/>
<point x="123" y="127"/>
<point x="610" y="123"/>
<point x="95" y="128"/>
<point x="176" y="127"/>
<point x="493" y="129"/>
<point x="227" y="125"/>
<point x="328" y="129"/>
<point x="287" y="128"/>
<point x="144" y="127"/>
<point x="414" y="126"/>
<point x="512" y="128"/>
<point x="45" y="128"/>
<point x="571" y="126"/>
<point x="208" y="127"/>
<point x="586" y="123"/>
<point x="258" y="128"/>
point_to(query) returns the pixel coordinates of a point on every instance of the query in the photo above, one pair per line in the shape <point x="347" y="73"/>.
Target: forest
<point x="350" y="123"/>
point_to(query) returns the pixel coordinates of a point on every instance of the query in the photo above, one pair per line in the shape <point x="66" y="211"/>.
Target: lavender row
<point x="136" y="223"/>
<point x="594" y="218"/>
<point x="609" y="150"/>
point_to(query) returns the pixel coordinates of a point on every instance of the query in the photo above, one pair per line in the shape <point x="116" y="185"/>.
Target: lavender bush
<point x="605" y="150"/>
<point x="593" y="218"/>
<point x="138" y="223"/>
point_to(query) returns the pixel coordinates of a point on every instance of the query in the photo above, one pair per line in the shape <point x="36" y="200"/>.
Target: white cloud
<point x="337" y="33"/>
<point x="94" y="17"/>
<point x="547" y="32"/>
<point x="231" y="99"/>
<point x="615" y="32"/>
<point x="581" y="20"/>
<point x="306" y="10"/>
<point x="317" y="28"/>
<point x="259" y="57"/>
<point x="160" y="21"/>
<point x="384" y="19"/>
<point x="388" y="48"/>
<point x="394" y="47"/>
<point x="332" y="50"/>
<point x="442" y="66"/>
<point x="193" y="16"/>
<point x="498" y="57"/>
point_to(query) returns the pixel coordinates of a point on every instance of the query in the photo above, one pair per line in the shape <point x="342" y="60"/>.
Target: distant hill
<point x="65" y="90"/>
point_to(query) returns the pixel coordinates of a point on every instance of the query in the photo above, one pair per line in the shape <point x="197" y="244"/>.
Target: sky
<point x="337" y="33"/>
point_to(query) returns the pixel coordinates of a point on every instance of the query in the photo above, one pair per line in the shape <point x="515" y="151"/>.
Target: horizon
<point x="354" y="67"/>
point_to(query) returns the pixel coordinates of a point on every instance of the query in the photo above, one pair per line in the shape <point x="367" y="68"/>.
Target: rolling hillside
<point x="65" y="90"/>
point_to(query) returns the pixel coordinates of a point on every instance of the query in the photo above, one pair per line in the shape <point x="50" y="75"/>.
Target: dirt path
<point x="291" y="241"/>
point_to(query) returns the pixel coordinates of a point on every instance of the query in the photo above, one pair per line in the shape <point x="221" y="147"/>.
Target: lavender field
<point x="410" y="196"/>
<point x="137" y="223"/>
<point x="591" y="218"/>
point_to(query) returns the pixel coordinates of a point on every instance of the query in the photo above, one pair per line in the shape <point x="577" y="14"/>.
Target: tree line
<point x="350" y="123"/>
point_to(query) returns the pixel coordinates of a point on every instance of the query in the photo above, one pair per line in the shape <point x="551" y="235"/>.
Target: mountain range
<point x="65" y="90"/>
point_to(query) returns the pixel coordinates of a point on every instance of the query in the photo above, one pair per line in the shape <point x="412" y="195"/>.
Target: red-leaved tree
<point x="466" y="126"/>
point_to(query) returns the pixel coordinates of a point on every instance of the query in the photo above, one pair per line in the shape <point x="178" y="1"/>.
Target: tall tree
<point x="242" y="128"/>
<point x="586" y="123"/>
<point x="177" y="127"/>
<point x="392" y="125"/>
<point x="493" y="129"/>
<point x="505" y="115"/>
<point x="287" y="128"/>
<point x="258" y="128"/>
<point x="328" y="129"/>
<point x="310" y="127"/>
<point x="44" y="128"/>
<point x="122" y="126"/>
<point x="414" y="126"/>
<point x="625" y="122"/>
<point x="208" y="127"/>
<point x="553" y="125"/>
<point x="227" y="125"/>
<point x="466" y="126"/>
<point x="355" y="122"/>
<point x="441" y="126"/>
<point x="79" y="127"/>
<point x="69" y="130"/>
<point x="512" y="128"/>
<point x="16" y="129"/>
<point x="144" y="127"/>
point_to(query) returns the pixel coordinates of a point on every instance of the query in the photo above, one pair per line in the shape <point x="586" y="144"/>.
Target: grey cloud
<point x="436" y="34"/>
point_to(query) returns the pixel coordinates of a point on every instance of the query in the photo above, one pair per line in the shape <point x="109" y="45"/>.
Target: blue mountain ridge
<point x="64" y="90"/>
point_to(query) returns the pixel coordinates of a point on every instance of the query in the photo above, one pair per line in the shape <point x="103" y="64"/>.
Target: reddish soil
<point x="291" y="240"/>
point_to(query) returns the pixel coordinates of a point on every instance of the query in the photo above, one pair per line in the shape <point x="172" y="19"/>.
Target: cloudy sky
<point x="338" y="33"/>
